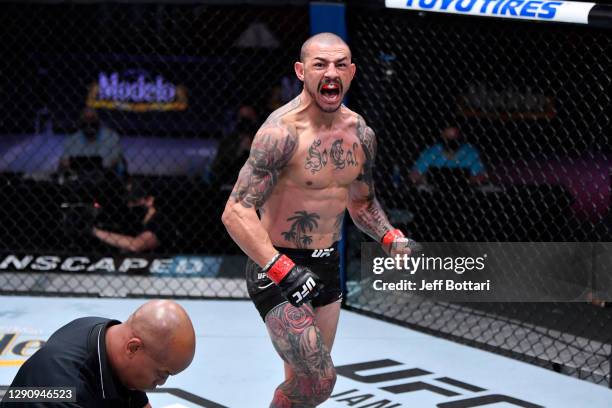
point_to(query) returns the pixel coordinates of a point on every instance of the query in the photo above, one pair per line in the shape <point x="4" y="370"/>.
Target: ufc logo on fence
<point x="306" y="289"/>
<point x="320" y="253"/>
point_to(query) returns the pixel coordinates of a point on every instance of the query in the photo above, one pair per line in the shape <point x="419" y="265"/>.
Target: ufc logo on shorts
<point x="320" y="253"/>
<point x="306" y="289"/>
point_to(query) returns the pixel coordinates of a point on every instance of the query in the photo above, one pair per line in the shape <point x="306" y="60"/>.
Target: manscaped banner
<point x="179" y="265"/>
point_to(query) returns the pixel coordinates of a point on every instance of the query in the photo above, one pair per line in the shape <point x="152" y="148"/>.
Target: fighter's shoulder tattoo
<point x="271" y="150"/>
<point x="367" y="138"/>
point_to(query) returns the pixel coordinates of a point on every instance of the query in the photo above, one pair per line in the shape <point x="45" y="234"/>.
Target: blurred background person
<point x="146" y="226"/>
<point x="452" y="152"/>
<point x="234" y="149"/>
<point x="93" y="139"/>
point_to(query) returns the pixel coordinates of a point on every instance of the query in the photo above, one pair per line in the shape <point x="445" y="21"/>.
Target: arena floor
<point x="236" y="367"/>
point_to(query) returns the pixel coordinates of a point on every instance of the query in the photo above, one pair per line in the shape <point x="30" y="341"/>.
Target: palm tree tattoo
<point x="303" y="223"/>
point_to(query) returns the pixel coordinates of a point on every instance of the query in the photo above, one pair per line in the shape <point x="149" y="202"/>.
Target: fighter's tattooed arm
<point x="364" y="208"/>
<point x="298" y="341"/>
<point x="271" y="150"/>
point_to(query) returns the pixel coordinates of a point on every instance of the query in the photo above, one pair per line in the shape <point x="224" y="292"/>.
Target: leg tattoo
<point x="298" y="341"/>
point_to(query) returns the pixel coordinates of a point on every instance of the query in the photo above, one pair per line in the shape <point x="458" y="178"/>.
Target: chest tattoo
<point x="337" y="156"/>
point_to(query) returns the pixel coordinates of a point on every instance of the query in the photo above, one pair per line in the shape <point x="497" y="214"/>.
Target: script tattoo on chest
<point x="337" y="156"/>
<point x="316" y="159"/>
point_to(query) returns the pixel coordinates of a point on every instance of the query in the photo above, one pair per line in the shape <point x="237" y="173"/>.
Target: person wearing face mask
<point x="152" y="229"/>
<point x="452" y="152"/>
<point x="234" y="149"/>
<point x="93" y="139"/>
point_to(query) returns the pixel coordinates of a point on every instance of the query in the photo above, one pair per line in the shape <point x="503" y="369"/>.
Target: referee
<point x="107" y="363"/>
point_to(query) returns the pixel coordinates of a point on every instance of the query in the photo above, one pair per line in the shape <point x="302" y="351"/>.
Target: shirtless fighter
<point x="310" y="161"/>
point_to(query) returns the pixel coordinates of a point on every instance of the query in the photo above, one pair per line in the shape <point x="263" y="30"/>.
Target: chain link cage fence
<point x="533" y="102"/>
<point x="171" y="93"/>
<point x="123" y="128"/>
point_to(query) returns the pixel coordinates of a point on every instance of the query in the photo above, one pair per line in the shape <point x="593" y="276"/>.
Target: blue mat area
<point x="379" y="364"/>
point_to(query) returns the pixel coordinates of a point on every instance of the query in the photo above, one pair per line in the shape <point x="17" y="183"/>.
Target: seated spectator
<point x="452" y="152"/>
<point x="93" y="139"/>
<point x="152" y="227"/>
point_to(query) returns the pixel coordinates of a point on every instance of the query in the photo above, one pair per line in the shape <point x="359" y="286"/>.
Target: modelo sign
<point x="136" y="91"/>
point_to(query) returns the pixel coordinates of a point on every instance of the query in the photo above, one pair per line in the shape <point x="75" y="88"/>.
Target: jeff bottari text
<point x="411" y="265"/>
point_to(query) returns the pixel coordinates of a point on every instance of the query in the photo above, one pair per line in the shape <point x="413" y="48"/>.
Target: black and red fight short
<point x="324" y="262"/>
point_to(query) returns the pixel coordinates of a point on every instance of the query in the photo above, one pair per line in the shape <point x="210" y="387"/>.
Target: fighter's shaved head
<point x="322" y="39"/>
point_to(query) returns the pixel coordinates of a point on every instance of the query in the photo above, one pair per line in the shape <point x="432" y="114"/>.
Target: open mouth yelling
<point x="330" y="93"/>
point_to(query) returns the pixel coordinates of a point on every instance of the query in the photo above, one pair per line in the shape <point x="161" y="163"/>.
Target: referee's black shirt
<point x="75" y="356"/>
